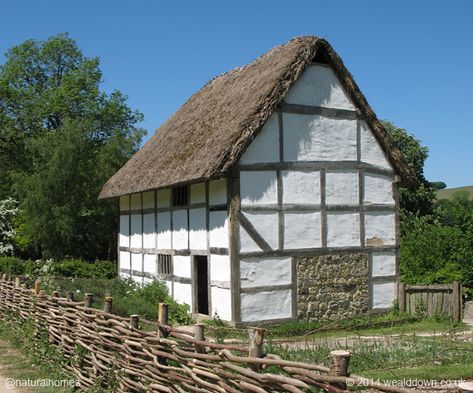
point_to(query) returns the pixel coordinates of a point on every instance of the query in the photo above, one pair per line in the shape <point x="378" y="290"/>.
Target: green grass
<point x="20" y="366"/>
<point x="390" y="357"/>
<point x="448" y="192"/>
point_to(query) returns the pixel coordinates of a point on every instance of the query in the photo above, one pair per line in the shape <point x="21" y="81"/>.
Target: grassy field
<point x="448" y="192"/>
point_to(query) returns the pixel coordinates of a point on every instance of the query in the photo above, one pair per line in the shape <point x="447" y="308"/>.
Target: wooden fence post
<point x="163" y="314"/>
<point x="17" y="282"/>
<point x="256" y="346"/>
<point x="339" y="361"/>
<point x="37" y="287"/>
<point x="70" y="295"/>
<point x="402" y="297"/>
<point x="456" y="295"/>
<point x="199" y="335"/>
<point x="107" y="306"/>
<point x="88" y="300"/>
<point x="134" y="321"/>
<point x="55" y="293"/>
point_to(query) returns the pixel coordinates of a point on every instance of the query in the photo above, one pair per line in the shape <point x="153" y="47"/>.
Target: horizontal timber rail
<point x="105" y="351"/>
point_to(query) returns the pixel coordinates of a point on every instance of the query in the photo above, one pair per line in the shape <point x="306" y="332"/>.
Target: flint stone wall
<point x="332" y="286"/>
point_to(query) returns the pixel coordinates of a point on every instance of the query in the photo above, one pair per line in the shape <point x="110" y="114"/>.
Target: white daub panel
<point x="182" y="266"/>
<point x="383" y="264"/>
<point x="163" y="198"/>
<point x="301" y="187"/>
<point x="197" y="229"/>
<point x="136" y="231"/>
<point x="125" y="260"/>
<point x="341" y="188"/>
<point x="124" y="202"/>
<point x="378" y="189"/>
<point x="135" y="202"/>
<point x="137" y="262"/>
<point x="258" y="188"/>
<point x="124" y="236"/>
<point x="198" y="193"/>
<point x="265" y="147"/>
<point x="302" y="230"/>
<point x="180" y="233"/>
<point x="266" y="224"/>
<point x="319" y="86"/>
<point x="220" y="268"/>
<point x="164" y="231"/>
<point x="380" y="228"/>
<point x="258" y="272"/>
<point x="343" y="229"/>
<point x="383" y="295"/>
<point x="221" y="303"/>
<point x="149" y="264"/>
<point x="247" y="244"/>
<point x="182" y="293"/>
<point x="371" y="151"/>
<point x="218" y="192"/>
<point x="218" y="229"/>
<point x="149" y="235"/>
<point x="318" y="138"/>
<point x="148" y="200"/>
<point x="266" y="305"/>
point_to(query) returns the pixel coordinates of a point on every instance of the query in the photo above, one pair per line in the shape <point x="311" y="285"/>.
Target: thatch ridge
<point x="206" y="137"/>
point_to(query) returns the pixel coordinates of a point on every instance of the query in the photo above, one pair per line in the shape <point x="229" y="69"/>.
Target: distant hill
<point x="448" y="192"/>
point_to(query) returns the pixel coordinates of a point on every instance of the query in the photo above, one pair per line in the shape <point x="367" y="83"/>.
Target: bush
<point x="11" y="266"/>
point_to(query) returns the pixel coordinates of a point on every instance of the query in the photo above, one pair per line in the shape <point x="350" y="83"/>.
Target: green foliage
<point x="438" y="185"/>
<point x="11" y="266"/>
<point x="420" y="199"/>
<point x="61" y="138"/>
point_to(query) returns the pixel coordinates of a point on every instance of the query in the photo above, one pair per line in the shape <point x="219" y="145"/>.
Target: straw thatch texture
<point x="210" y="132"/>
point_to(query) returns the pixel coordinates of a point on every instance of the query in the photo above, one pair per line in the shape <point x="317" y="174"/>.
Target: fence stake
<point x="37" y="288"/>
<point x="339" y="361"/>
<point x="456" y="294"/>
<point x="199" y="335"/>
<point x="134" y="321"/>
<point x="402" y="297"/>
<point x="4" y="277"/>
<point x="70" y="295"/>
<point x="163" y="313"/>
<point x="256" y="346"/>
<point x="55" y="293"/>
<point x="88" y="299"/>
<point x="107" y="306"/>
<point x="17" y="282"/>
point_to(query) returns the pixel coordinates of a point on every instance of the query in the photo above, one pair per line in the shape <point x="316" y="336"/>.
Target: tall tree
<point x="419" y="200"/>
<point x="61" y="137"/>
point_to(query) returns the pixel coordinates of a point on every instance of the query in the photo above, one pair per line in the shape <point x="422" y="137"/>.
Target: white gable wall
<point x="312" y="181"/>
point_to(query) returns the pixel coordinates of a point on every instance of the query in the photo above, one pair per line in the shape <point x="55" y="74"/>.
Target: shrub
<point x="11" y="265"/>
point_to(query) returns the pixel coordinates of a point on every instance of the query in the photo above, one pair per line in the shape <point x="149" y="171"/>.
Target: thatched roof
<point x="210" y="132"/>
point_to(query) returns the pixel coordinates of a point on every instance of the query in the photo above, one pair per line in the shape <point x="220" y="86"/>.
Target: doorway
<point x="202" y="284"/>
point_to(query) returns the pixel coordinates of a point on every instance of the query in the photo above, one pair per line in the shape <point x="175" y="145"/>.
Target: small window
<point x="180" y="196"/>
<point x="164" y="264"/>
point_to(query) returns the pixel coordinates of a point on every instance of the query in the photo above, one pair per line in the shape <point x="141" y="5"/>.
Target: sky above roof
<point x="413" y="60"/>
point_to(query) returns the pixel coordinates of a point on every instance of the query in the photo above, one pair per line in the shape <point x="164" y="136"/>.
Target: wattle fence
<point x="106" y="351"/>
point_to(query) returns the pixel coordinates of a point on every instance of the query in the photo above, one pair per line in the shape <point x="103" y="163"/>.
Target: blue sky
<point x="412" y="59"/>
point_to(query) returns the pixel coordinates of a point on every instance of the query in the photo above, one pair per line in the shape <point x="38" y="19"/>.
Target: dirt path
<point x="7" y="353"/>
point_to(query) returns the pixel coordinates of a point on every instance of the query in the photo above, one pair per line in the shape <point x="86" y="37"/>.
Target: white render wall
<point x="310" y="181"/>
<point x="150" y="226"/>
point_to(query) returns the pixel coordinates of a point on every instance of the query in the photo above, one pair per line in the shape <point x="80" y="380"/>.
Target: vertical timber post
<point x="402" y="297"/>
<point x="107" y="306"/>
<point x="339" y="361"/>
<point x="163" y="313"/>
<point x="256" y="346"/>
<point x="134" y="321"/>
<point x="456" y="294"/>
<point x="17" y="282"/>
<point x="70" y="295"/>
<point x="88" y="300"/>
<point x="200" y="336"/>
<point x="37" y="288"/>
